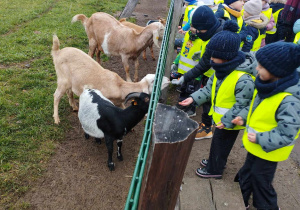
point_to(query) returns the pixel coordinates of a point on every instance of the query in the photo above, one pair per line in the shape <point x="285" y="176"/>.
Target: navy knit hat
<point x="228" y="2"/>
<point x="280" y="58"/>
<point x="225" y="44"/>
<point x="203" y="18"/>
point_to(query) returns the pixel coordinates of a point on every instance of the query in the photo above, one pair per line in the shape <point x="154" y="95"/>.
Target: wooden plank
<point x="173" y="137"/>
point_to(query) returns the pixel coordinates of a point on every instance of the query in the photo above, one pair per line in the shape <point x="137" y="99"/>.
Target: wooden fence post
<point x="127" y="11"/>
<point x="172" y="140"/>
<point x="174" y="28"/>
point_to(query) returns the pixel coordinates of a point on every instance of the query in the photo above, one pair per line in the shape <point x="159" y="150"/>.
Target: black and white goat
<point x="100" y="118"/>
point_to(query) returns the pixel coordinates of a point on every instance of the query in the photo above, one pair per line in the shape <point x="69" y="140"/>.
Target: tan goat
<point x="109" y="36"/>
<point x="75" y="69"/>
<point x="139" y="29"/>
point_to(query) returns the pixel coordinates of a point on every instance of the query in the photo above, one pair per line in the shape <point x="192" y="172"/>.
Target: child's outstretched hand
<point x="186" y="102"/>
<point x="220" y="125"/>
<point x="252" y="137"/>
<point x="238" y="120"/>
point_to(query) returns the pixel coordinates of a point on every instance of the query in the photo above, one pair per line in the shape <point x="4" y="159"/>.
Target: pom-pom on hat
<point x="280" y="58"/>
<point x="228" y="2"/>
<point x="253" y="7"/>
<point x="225" y="44"/>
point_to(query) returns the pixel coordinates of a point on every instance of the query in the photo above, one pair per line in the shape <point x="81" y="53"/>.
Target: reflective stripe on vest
<point x="297" y="37"/>
<point x="188" y="49"/>
<point x="225" y="98"/>
<point x="239" y="19"/>
<point x="186" y="14"/>
<point x="263" y="120"/>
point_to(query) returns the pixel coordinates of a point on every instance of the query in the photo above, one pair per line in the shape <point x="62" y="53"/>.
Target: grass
<point x="28" y="136"/>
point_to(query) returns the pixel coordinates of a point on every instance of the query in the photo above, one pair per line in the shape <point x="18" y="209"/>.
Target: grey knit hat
<point x="253" y="7"/>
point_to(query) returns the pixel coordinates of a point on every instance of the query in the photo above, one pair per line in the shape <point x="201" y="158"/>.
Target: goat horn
<point x="132" y="95"/>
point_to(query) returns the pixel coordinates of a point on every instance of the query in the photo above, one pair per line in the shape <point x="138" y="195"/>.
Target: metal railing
<point x="136" y="182"/>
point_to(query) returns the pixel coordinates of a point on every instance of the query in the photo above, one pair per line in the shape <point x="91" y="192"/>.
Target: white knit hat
<point x="205" y="2"/>
<point x="253" y="7"/>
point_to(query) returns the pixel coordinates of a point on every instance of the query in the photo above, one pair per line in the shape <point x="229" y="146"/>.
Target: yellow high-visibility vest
<point x="297" y="37"/>
<point x="268" y="14"/>
<point x="263" y="120"/>
<point x="275" y="17"/>
<point x="186" y="14"/>
<point x="218" y="2"/>
<point x="210" y="72"/>
<point x="225" y="98"/>
<point x="256" y="43"/>
<point x="239" y="19"/>
<point x="188" y="49"/>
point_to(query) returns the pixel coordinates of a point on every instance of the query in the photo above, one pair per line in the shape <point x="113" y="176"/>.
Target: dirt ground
<point x="77" y="176"/>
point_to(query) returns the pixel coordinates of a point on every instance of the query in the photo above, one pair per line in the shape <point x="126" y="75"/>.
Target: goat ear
<point x="156" y="37"/>
<point x="147" y="99"/>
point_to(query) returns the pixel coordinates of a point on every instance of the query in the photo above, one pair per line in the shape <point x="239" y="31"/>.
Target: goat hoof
<point x="111" y="166"/>
<point x="98" y="140"/>
<point x="120" y="157"/>
<point x="86" y="136"/>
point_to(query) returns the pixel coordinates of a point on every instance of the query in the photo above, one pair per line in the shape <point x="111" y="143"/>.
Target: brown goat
<point x="113" y="38"/>
<point x="139" y="29"/>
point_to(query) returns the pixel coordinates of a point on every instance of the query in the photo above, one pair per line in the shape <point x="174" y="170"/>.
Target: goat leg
<point x="110" y="148"/>
<point x="119" y="153"/>
<point x="71" y="100"/>
<point x="136" y="73"/>
<point x="152" y="54"/>
<point x="144" y="55"/>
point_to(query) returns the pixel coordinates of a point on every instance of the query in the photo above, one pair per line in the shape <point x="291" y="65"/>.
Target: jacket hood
<point x="277" y="1"/>
<point x="249" y="66"/>
<point x="261" y="25"/>
<point x="295" y="89"/>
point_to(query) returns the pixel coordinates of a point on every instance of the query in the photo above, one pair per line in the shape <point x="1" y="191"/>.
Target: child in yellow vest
<point x="232" y="10"/>
<point x="230" y="90"/>
<point x="272" y="123"/>
<point x="296" y="30"/>
<point x="267" y="11"/>
<point x="255" y="26"/>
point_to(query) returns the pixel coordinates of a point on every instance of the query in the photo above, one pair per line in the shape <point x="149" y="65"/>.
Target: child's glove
<point x="178" y="81"/>
<point x="196" y="56"/>
<point x="174" y="67"/>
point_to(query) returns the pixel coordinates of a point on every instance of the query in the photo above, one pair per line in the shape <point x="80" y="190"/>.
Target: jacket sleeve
<point x="251" y="36"/>
<point x="243" y="95"/>
<point x="271" y="23"/>
<point x="203" y="94"/>
<point x="288" y="124"/>
<point x="199" y="69"/>
<point x="243" y="32"/>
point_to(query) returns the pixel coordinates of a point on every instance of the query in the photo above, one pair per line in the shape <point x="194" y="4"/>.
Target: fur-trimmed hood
<point x="277" y="1"/>
<point x="257" y="25"/>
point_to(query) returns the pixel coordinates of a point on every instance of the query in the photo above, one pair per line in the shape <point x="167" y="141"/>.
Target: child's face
<point x="246" y="14"/>
<point x="238" y="5"/>
<point x="218" y="60"/>
<point x="194" y="31"/>
<point x="264" y="74"/>
<point x="263" y="2"/>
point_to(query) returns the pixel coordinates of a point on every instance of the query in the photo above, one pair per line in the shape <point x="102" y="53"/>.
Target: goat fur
<point x="75" y="69"/>
<point x="106" y="34"/>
